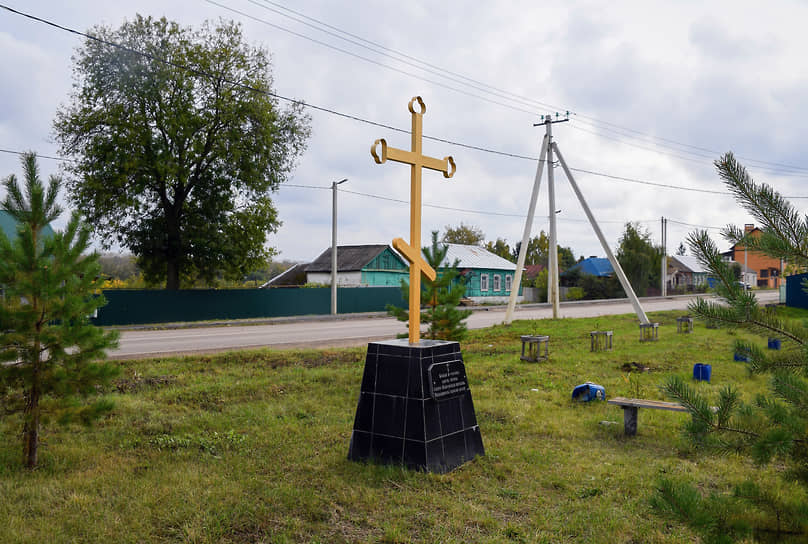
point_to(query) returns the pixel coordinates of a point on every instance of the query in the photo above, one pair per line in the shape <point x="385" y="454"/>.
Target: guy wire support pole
<point x="635" y="302"/>
<point x="520" y="261"/>
<point x="664" y="286"/>
<point x="334" y="245"/>
<point x="552" y="256"/>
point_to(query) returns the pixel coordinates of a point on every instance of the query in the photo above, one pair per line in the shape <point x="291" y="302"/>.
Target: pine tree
<point x="442" y="297"/>
<point x="48" y="346"/>
<point x="772" y="429"/>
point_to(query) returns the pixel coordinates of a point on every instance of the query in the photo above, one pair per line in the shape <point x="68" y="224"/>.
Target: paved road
<point x="349" y="331"/>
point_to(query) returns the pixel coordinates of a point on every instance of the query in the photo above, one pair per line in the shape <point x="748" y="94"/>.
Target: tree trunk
<point x="32" y="437"/>
<point x="31" y="429"/>
<point x="173" y="250"/>
<point x="172" y="275"/>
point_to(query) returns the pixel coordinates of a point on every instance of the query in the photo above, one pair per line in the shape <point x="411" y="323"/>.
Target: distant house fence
<point x="140" y="306"/>
<point x="796" y="296"/>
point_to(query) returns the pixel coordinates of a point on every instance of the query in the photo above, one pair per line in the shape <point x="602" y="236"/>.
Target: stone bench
<point x="534" y="348"/>
<point x="684" y="325"/>
<point x="649" y="332"/>
<point x="600" y="340"/>
<point x="630" y="407"/>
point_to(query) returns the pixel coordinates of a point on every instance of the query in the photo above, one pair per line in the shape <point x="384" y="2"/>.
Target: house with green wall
<point x="9" y="226"/>
<point x="488" y="277"/>
<point x="360" y="266"/>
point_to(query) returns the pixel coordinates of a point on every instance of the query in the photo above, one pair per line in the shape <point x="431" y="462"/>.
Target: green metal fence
<point x="136" y="306"/>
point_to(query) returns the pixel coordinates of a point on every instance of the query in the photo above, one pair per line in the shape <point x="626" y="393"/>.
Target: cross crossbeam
<point x="412" y="250"/>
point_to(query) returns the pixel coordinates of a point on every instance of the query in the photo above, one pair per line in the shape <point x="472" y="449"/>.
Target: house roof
<point x="475" y="257"/>
<point x="354" y="258"/>
<point x="690" y="263"/>
<point x="593" y="266"/>
<point x="9" y="226"/>
<point x="533" y="270"/>
<point x="349" y="258"/>
<point x="289" y="276"/>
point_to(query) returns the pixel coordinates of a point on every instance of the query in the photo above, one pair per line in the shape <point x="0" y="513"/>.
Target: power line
<point x="366" y="59"/>
<point x="502" y="93"/>
<point x="399" y="56"/>
<point x="579" y="170"/>
<point x="204" y="73"/>
<point x="791" y="170"/>
<point x="692" y="225"/>
<point x="11" y="152"/>
<point x="449" y="208"/>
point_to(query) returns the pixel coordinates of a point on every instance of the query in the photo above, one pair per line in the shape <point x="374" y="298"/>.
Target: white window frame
<point x="508" y="282"/>
<point x="484" y="283"/>
<point x="497" y="282"/>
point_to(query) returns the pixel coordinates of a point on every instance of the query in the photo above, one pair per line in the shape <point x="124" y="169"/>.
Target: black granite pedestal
<point x="415" y="407"/>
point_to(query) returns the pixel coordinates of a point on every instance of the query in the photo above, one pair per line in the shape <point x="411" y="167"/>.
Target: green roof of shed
<point x="9" y="226"/>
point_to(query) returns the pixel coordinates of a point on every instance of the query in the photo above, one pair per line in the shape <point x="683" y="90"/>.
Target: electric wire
<point x="50" y="157"/>
<point x="793" y="170"/>
<point x="203" y="73"/>
<point x="693" y="225"/>
<point x="450" y="208"/>
<point x="398" y="56"/>
<point x="355" y="55"/>
<point x="502" y="93"/>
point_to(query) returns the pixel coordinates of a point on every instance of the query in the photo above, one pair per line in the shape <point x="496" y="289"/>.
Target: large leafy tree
<point x="566" y="258"/>
<point x="178" y="144"/>
<point x="469" y="235"/>
<point x="501" y="248"/>
<point x="639" y="258"/>
<point x="770" y="429"/>
<point x="48" y="348"/>
<point x="537" y="250"/>
<point x="442" y="297"/>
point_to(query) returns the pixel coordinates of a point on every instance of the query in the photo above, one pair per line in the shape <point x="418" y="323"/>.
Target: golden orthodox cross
<point x="412" y="251"/>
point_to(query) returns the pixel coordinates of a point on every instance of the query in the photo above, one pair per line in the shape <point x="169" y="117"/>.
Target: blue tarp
<point x="593" y="266"/>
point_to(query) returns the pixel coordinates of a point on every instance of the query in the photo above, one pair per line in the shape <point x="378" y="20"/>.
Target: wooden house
<point x="769" y="270"/>
<point x="686" y="271"/>
<point x="488" y="277"/>
<point x="360" y="266"/>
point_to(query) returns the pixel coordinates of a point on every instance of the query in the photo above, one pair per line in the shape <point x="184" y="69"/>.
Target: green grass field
<point x="252" y="446"/>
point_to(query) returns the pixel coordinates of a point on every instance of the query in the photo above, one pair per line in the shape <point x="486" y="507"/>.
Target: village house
<point x="360" y="266"/>
<point x="9" y="226"/>
<point x="769" y="270"/>
<point x="685" y="272"/>
<point x="488" y="277"/>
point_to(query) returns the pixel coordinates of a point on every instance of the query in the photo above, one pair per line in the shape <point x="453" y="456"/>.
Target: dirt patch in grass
<point x="138" y="383"/>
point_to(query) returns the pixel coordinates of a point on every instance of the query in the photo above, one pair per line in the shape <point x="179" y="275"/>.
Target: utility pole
<point x="520" y="261"/>
<point x="664" y="286"/>
<point x="334" y="244"/>
<point x="531" y="209"/>
<point x="552" y="258"/>
<point x="551" y="149"/>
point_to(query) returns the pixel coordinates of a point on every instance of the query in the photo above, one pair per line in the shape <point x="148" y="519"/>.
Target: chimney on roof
<point x="593" y="256"/>
<point x="749" y="227"/>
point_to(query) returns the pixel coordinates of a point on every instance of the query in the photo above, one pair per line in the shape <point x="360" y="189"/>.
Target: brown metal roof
<point x="349" y="258"/>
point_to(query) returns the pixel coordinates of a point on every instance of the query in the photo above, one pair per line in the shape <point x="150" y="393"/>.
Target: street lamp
<point x="334" y="244"/>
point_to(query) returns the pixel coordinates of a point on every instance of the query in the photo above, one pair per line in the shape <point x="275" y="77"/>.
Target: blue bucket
<point x="774" y="343"/>
<point x="702" y="372"/>
<point x="742" y="356"/>
<point x="589" y="391"/>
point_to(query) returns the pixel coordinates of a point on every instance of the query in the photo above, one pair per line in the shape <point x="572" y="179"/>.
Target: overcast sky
<point x="657" y="91"/>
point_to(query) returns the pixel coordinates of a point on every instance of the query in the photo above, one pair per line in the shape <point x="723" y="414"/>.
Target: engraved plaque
<point x="447" y="380"/>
